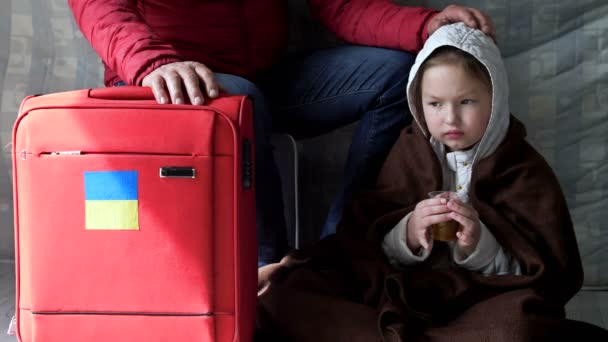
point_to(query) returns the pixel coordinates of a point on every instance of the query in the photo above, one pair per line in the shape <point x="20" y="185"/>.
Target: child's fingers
<point x="463" y="209"/>
<point x="464" y="240"/>
<point x="464" y="221"/>
<point x="428" y="208"/>
<point x="468" y="233"/>
<point x="428" y="221"/>
<point x="433" y="210"/>
<point x="426" y="238"/>
<point x="431" y="202"/>
<point x="467" y="242"/>
<point x="424" y="243"/>
<point x="464" y="235"/>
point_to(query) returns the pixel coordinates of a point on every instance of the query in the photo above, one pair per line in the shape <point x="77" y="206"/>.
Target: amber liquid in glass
<point x="445" y="231"/>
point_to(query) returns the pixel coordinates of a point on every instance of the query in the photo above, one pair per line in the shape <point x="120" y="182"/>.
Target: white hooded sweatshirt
<point x="488" y="257"/>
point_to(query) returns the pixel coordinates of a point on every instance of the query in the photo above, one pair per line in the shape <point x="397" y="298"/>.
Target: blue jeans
<point x="312" y="94"/>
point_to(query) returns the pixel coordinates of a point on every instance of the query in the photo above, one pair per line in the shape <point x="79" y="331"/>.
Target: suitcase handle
<point x="122" y="93"/>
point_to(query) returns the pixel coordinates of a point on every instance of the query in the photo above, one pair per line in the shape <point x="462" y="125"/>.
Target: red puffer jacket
<point x="241" y="37"/>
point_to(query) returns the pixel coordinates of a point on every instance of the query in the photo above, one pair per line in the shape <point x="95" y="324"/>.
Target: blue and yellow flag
<point x="111" y="200"/>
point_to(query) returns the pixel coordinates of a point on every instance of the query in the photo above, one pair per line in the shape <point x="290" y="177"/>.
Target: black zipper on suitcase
<point x="246" y="164"/>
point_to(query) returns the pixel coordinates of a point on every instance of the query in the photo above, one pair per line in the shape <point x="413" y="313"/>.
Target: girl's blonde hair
<point x="454" y="56"/>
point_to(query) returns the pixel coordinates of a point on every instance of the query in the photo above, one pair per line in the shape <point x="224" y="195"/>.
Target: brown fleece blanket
<point x="343" y="288"/>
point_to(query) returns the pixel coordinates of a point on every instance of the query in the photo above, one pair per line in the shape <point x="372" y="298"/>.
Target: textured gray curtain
<point x="555" y="50"/>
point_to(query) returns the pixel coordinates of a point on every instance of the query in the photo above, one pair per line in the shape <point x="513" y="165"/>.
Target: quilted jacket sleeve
<point x="378" y="23"/>
<point x="122" y="39"/>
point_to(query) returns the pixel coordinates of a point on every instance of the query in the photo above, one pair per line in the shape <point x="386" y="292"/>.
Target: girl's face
<point x="456" y="106"/>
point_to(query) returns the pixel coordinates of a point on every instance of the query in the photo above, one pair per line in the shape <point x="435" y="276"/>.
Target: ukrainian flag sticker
<point x="111" y="200"/>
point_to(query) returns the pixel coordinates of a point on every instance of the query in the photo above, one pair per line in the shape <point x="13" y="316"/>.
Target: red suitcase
<point x="134" y="221"/>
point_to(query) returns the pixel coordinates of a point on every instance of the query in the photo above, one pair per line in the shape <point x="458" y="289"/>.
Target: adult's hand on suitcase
<point x="169" y="81"/>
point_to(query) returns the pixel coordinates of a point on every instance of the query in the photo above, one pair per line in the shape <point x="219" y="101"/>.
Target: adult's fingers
<point x="174" y="86"/>
<point x="455" y="13"/>
<point x="157" y="84"/>
<point x="472" y="17"/>
<point x="192" y="85"/>
<point x="169" y="82"/>
<point x="210" y="85"/>
<point x="486" y="25"/>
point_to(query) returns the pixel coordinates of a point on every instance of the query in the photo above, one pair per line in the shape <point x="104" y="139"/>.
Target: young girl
<point x="514" y="263"/>
<point x="451" y="92"/>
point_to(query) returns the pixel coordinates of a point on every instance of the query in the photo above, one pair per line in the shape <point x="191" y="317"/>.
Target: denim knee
<point x="393" y="87"/>
<point x="262" y="117"/>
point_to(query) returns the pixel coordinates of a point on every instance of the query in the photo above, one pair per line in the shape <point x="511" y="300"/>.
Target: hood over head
<point x="483" y="48"/>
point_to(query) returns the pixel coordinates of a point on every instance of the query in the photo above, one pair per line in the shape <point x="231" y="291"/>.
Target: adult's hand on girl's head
<point x="168" y="82"/>
<point x="472" y="17"/>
